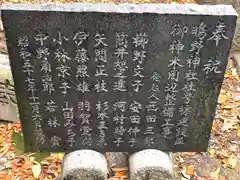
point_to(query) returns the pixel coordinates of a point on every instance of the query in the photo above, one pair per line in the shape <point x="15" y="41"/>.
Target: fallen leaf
<point x="185" y="154"/>
<point x="36" y="170"/>
<point x="114" y="178"/>
<point x="27" y="165"/>
<point x="60" y="156"/>
<point x="31" y="159"/>
<point x="234" y="147"/>
<point x="227" y="75"/>
<point x="228" y="107"/>
<point x="201" y="178"/>
<point x="232" y="162"/>
<point x="3" y="160"/>
<point x="229" y="124"/>
<point x="17" y="127"/>
<point x="211" y="153"/>
<point x="59" y="169"/>
<point x="224" y="154"/>
<point x="190" y="170"/>
<point x="211" y="178"/>
<point x="238" y="133"/>
<point x="120" y="169"/>
<point x="222" y="178"/>
<point x="222" y="99"/>
<point x="4" y="150"/>
<point x="187" y="176"/>
<point x="214" y="126"/>
<point x="121" y="174"/>
<point x="237" y="97"/>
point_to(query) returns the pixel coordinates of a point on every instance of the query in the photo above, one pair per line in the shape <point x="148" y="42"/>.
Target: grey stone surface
<point x="118" y="159"/>
<point x="235" y="49"/>
<point x="236" y="5"/>
<point x="84" y="165"/>
<point x="127" y="8"/>
<point x="171" y="38"/>
<point x="151" y="164"/>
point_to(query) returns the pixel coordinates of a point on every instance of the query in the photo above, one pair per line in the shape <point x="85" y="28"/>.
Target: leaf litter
<point x="222" y="160"/>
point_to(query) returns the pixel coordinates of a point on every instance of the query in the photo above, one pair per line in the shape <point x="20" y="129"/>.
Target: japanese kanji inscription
<point x="117" y="77"/>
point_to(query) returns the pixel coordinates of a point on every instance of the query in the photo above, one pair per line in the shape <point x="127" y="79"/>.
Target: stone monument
<point x="118" y="78"/>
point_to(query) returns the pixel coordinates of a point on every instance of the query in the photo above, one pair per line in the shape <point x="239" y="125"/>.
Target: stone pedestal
<point x="150" y="164"/>
<point x="84" y="165"/>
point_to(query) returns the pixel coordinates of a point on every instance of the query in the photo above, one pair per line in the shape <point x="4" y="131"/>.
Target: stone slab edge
<point x="188" y="9"/>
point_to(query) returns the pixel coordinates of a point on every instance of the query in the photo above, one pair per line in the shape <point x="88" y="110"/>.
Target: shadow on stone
<point x="85" y="174"/>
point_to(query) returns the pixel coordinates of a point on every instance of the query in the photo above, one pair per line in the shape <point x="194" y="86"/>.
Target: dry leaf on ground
<point x="229" y="124"/>
<point x="36" y="170"/>
<point x="184" y="154"/>
<point x="190" y="170"/>
<point x="211" y="153"/>
<point x="230" y="162"/>
<point x="222" y="99"/>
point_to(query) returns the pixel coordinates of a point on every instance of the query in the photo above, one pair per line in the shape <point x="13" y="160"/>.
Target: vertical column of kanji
<point x="47" y="83"/>
<point x="214" y="63"/>
<point x="100" y="51"/>
<point x="63" y="71"/>
<point x="86" y="131"/>
<point x="102" y="116"/>
<point x="82" y="75"/>
<point x="139" y="54"/>
<point x="152" y="111"/>
<point x="191" y="76"/>
<point x="28" y="68"/>
<point x="119" y="85"/>
<point x="140" y="41"/>
<point x="171" y="88"/>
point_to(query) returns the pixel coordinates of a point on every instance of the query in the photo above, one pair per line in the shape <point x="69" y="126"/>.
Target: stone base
<point x="84" y="165"/>
<point x="150" y="164"/>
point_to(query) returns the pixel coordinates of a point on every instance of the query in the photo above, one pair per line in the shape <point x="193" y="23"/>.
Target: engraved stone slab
<point x="117" y="77"/>
<point x="236" y="5"/>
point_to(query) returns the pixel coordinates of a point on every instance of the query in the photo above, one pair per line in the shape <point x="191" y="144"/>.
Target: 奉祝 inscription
<point x="114" y="81"/>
